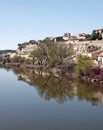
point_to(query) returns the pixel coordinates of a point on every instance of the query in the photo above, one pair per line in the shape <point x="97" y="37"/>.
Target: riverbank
<point x="68" y="73"/>
<point x="57" y="71"/>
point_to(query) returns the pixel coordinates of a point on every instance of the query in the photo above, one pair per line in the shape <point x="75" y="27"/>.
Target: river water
<point x="31" y="101"/>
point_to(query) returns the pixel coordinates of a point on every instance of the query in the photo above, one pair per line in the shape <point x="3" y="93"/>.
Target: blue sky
<point x="24" y="20"/>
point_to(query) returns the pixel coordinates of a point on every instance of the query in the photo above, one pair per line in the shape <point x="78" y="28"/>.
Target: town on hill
<point x="62" y="53"/>
<point x="86" y="44"/>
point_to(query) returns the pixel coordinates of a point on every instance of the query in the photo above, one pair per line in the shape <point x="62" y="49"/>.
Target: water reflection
<point x="50" y="87"/>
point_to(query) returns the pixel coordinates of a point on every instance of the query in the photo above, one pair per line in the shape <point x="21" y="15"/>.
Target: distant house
<point x="63" y="38"/>
<point x="66" y="36"/>
<point x="95" y="54"/>
<point x="100" y="59"/>
<point x="81" y="36"/>
<point x="58" y="39"/>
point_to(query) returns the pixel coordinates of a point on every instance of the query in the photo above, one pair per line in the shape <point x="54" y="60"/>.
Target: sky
<point x="24" y="20"/>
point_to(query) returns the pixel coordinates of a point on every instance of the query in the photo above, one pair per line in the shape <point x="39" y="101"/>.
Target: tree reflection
<point x="90" y="92"/>
<point x="50" y="87"/>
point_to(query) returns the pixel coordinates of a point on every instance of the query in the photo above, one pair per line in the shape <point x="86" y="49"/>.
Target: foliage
<point x="88" y="37"/>
<point x="28" y="61"/>
<point x="95" y="36"/>
<point x="15" y="59"/>
<point x="100" y="37"/>
<point x="84" y="63"/>
<point x="52" y="53"/>
<point x="18" y="59"/>
<point x="20" y="46"/>
<point x="1" y="59"/>
<point x="96" y="73"/>
<point x="5" y="59"/>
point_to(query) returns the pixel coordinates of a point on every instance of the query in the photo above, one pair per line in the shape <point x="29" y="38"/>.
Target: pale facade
<point x="81" y="36"/>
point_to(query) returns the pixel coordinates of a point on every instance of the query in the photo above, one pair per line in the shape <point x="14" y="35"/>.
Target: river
<point x="35" y="101"/>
